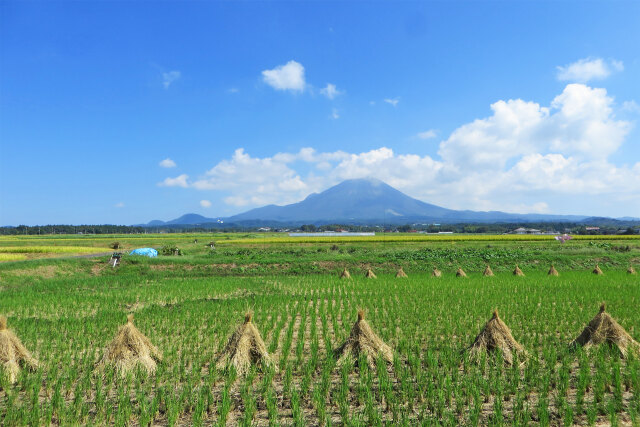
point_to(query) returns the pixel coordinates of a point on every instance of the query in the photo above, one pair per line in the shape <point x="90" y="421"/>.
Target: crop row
<point x="392" y="237"/>
<point x="302" y="319"/>
<point x="50" y="249"/>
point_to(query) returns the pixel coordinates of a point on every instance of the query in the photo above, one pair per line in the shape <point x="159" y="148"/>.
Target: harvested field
<point x="415" y="366"/>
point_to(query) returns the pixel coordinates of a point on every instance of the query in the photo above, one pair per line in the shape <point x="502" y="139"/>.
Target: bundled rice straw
<point x="518" y="272"/>
<point x="553" y="271"/>
<point x="345" y="274"/>
<point x="487" y="271"/>
<point x="460" y="272"/>
<point x="244" y="348"/>
<point x="362" y="340"/>
<point x="597" y="271"/>
<point x="631" y="270"/>
<point x="436" y="272"/>
<point x="496" y="336"/>
<point x="401" y="273"/>
<point x="13" y="353"/>
<point x="130" y="348"/>
<point x="370" y="275"/>
<point x="603" y="329"/>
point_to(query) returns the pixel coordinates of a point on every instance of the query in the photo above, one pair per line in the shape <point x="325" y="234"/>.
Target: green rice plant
<point x="50" y="250"/>
<point x="188" y="309"/>
<point x="12" y="257"/>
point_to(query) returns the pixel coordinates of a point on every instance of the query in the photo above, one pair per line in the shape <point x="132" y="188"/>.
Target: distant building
<point x="592" y="228"/>
<point x="523" y="230"/>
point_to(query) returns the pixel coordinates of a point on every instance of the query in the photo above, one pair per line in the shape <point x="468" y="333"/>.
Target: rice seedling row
<point x="68" y="322"/>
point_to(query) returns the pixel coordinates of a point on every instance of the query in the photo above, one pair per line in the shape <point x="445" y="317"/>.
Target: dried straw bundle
<point x="130" y="348"/>
<point x="363" y="341"/>
<point x="604" y="329"/>
<point x="460" y="272"/>
<point x="553" y="271"/>
<point x="518" y="272"/>
<point x="401" y="273"/>
<point x="597" y="271"/>
<point x="496" y="336"/>
<point x="436" y="272"/>
<point x="245" y="348"/>
<point x="487" y="271"/>
<point x="13" y="353"/>
<point x="631" y="270"/>
<point x="370" y="275"/>
<point x="345" y="274"/>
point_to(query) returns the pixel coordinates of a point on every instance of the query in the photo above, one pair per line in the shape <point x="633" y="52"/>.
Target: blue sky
<point x="123" y="112"/>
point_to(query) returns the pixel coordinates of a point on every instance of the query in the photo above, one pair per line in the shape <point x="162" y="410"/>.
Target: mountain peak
<point x="351" y="200"/>
<point x="365" y="200"/>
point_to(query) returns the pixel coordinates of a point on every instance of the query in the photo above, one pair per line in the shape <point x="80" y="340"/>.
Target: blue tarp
<point x="150" y="252"/>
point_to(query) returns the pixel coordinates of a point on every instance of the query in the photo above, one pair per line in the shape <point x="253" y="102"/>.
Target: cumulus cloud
<point x="205" y="203"/>
<point x="427" y="134"/>
<point x="523" y="157"/>
<point x="178" y="181"/>
<point x="170" y="77"/>
<point x="630" y="107"/>
<point x="334" y="114"/>
<point x="167" y="163"/>
<point x="289" y="76"/>
<point x="330" y="91"/>
<point x="578" y="122"/>
<point x="119" y="205"/>
<point x="587" y="69"/>
<point x="392" y="101"/>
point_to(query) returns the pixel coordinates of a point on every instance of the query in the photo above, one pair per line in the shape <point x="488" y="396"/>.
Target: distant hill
<point x="371" y="200"/>
<point x="351" y="200"/>
<point x="187" y="219"/>
<point x="364" y="201"/>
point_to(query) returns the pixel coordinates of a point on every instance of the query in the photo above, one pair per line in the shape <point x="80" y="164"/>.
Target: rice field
<point x="189" y="306"/>
<point x="414" y="237"/>
<point x="12" y="257"/>
<point x="50" y="249"/>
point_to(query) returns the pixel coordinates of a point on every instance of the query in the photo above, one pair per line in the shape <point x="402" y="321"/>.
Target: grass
<point x="188" y="306"/>
<point x="398" y="237"/>
<point x="12" y="257"/>
<point x="50" y="249"/>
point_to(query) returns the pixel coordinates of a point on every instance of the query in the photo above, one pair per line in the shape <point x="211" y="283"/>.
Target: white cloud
<point x="630" y="107"/>
<point x="169" y="78"/>
<point x="427" y="134"/>
<point x="119" y="205"/>
<point x="178" y="181"/>
<point x="578" y="122"/>
<point x="233" y="90"/>
<point x="588" y="69"/>
<point x="330" y="91"/>
<point x="334" y="114"/>
<point x="524" y="157"/>
<point x="167" y="163"/>
<point x="205" y="203"/>
<point x="392" y="101"/>
<point x="286" y="77"/>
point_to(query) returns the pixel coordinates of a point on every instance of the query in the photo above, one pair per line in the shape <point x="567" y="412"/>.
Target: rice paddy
<point x="413" y="362"/>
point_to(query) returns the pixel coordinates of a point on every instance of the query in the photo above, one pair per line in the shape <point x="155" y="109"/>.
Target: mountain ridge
<point x="364" y="201"/>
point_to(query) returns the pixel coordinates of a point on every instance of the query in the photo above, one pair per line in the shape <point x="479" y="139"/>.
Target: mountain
<point x="351" y="200"/>
<point x="371" y="200"/>
<point x="364" y="201"/>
